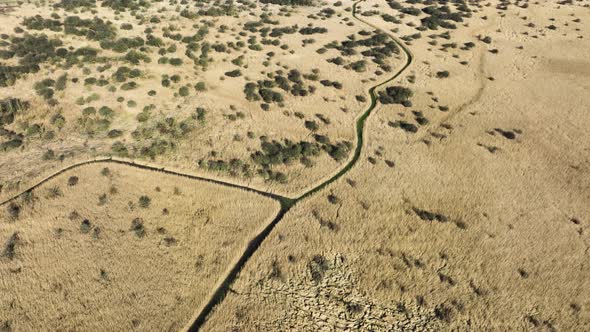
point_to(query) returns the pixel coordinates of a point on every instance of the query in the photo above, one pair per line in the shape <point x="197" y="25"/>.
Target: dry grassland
<point x="233" y="127"/>
<point x="86" y="252"/>
<point x="478" y="220"/>
<point x="467" y="210"/>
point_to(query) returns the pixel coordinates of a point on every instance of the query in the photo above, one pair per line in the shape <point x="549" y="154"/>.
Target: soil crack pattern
<point x="286" y="203"/>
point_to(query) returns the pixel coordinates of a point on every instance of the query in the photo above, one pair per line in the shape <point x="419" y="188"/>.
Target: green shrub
<point x="33" y="129"/>
<point x="144" y="201"/>
<point x="11" y="144"/>
<point x="200" y="86"/>
<point x="88" y="111"/>
<point x="183" y="91"/>
<point x="234" y="73"/>
<point x="114" y="133"/>
<point x="311" y="125"/>
<point x="69" y="5"/>
<point x="137" y="227"/>
<point x="118" y="148"/>
<point x="395" y="95"/>
<point x="85" y="226"/>
<point x="124" y="5"/>
<point x="124" y="73"/>
<point x="135" y="57"/>
<point x="129" y="86"/>
<point x="143" y="116"/>
<point x="61" y="82"/>
<point x="200" y="116"/>
<point x="106" y="112"/>
<point x="175" y="61"/>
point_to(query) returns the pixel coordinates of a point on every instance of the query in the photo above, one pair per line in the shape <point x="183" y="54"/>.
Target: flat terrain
<point x="452" y="197"/>
<point x="479" y="221"/>
<point x="108" y="247"/>
<point x="199" y="87"/>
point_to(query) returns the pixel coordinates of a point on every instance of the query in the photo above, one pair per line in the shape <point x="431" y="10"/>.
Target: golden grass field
<point x="90" y="257"/>
<point x="466" y="211"/>
<point x="510" y="250"/>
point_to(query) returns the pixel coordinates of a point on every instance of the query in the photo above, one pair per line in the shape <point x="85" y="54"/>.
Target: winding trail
<point x="286" y="203"/>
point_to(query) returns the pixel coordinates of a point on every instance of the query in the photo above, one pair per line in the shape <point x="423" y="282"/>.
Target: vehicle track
<point x="286" y="203"/>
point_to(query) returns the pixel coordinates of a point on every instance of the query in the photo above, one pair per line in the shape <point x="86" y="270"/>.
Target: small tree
<point x="395" y="95"/>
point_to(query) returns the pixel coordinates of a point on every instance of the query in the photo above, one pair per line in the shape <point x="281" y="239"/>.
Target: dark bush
<point x="311" y="125"/>
<point x="395" y="95"/>
<point x="406" y="126"/>
<point x="114" y="133"/>
<point x="13" y="210"/>
<point x="123" y="5"/>
<point x="137" y="227"/>
<point x="128" y="86"/>
<point x="144" y="201"/>
<point x="333" y="199"/>
<point x="73" y="180"/>
<point x="318" y="267"/>
<point x="70" y="5"/>
<point x="122" y="45"/>
<point x="85" y="226"/>
<point x="183" y="91"/>
<point x="200" y="86"/>
<point x="175" y="61"/>
<point x="119" y="149"/>
<point x="10" y="246"/>
<point x="289" y="2"/>
<point x="234" y="73"/>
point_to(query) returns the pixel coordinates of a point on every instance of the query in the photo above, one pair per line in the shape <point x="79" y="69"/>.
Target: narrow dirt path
<point x="218" y="294"/>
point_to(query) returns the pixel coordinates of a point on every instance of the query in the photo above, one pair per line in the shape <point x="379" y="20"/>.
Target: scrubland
<point x="467" y="209"/>
<point x="207" y="87"/>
